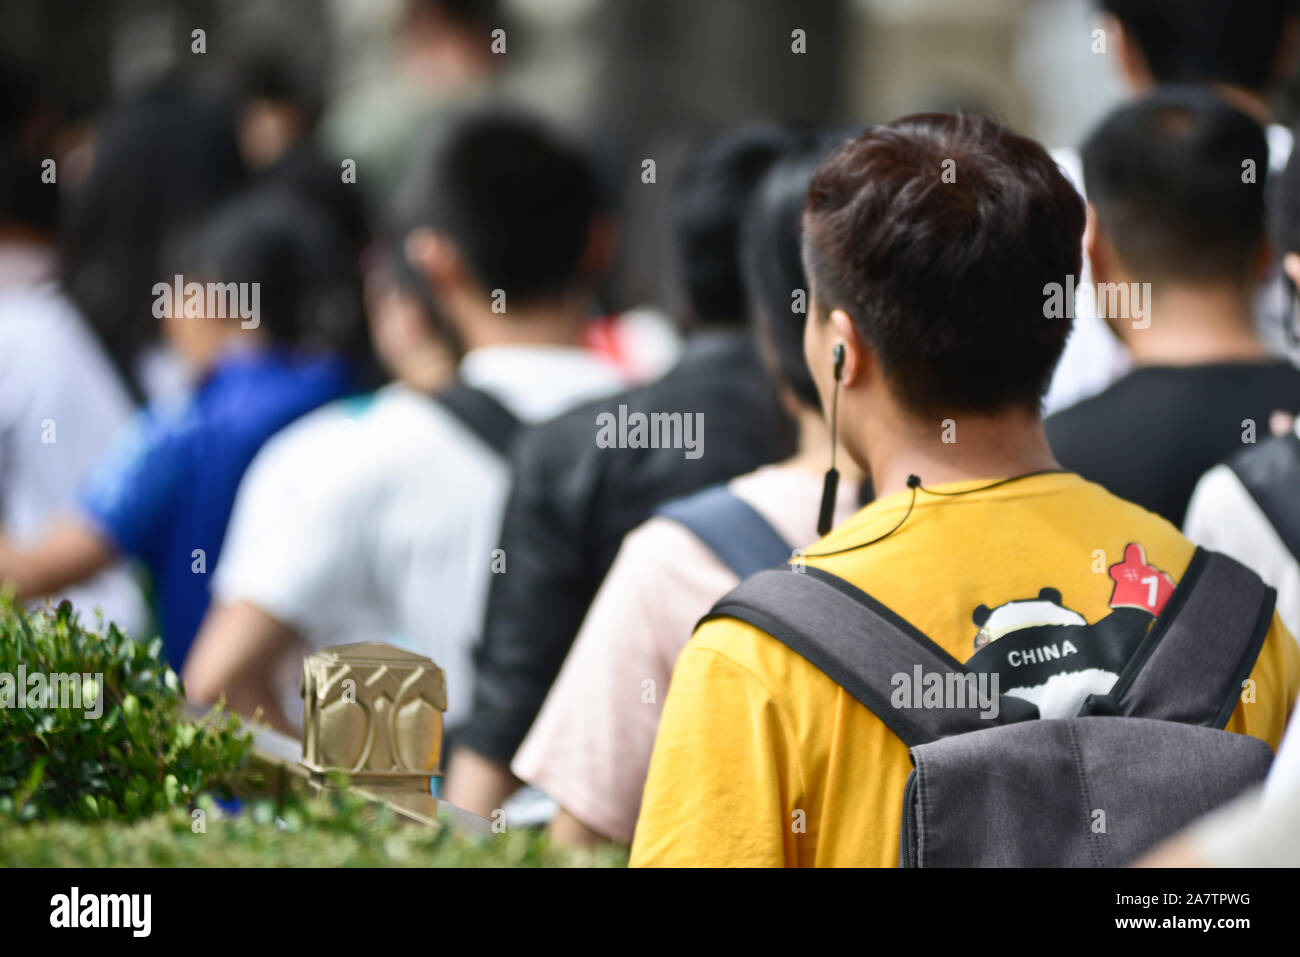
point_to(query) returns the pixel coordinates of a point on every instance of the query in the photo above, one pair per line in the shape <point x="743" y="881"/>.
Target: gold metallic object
<point x="374" y="712"/>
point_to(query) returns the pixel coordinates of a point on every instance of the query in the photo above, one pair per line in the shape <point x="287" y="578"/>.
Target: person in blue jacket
<point x="261" y="297"/>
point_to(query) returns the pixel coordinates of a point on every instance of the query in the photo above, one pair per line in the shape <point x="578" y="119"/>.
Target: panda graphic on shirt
<point x="1050" y="655"/>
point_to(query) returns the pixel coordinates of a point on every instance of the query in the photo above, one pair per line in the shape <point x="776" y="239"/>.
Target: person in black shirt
<point x="1177" y="241"/>
<point x="575" y="498"/>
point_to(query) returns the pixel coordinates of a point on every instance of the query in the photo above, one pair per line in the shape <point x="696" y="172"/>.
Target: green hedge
<point x="333" y="831"/>
<point x="133" y="785"/>
<point x="140" y="755"/>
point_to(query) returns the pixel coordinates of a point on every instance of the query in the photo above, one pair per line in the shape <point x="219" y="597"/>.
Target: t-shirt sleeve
<point x="1269" y="695"/>
<point x="286" y="545"/>
<point x="1212" y="507"/>
<point x="719" y="783"/>
<point x="131" y="494"/>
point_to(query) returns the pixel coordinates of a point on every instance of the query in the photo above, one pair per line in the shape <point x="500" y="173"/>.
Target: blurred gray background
<point x="636" y="78"/>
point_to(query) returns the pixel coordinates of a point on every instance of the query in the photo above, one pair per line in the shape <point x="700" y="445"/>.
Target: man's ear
<point x="1291" y="266"/>
<point x="1101" y="257"/>
<point x="859" y="358"/>
<point x="436" y="257"/>
<point x="1133" y="66"/>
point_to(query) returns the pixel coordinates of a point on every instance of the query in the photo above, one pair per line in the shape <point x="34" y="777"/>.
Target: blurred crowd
<point x="278" y="375"/>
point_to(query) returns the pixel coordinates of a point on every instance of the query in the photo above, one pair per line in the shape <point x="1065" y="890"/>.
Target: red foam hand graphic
<point x="1138" y="583"/>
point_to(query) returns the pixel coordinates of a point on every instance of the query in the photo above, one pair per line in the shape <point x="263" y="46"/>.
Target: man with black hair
<point x="576" y="497"/>
<point x="930" y="350"/>
<point x="60" y="398"/>
<point x="375" y="519"/>
<point x="1177" y="243"/>
<point x="1242" y="50"/>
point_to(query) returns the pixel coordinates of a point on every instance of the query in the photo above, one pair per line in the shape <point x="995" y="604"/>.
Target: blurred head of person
<point x="277" y="114"/>
<point x="1175" y="183"/>
<point x="772" y="265"/>
<point x="276" y="109"/>
<point x="934" y="284"/>
<point x="28" y="206"/>
<point x="506" y="229"/>
<point x="265" y="269"/>
<point x="161" y="162"/>
<point x="1242" y="47"/>
<point x="706" y="206"/>
<point x="448" y="42"/>
<point x="411" y="339"/>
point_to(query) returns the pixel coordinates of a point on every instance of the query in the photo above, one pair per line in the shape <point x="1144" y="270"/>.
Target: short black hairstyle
<point x="1206" y="41"/>
<point x="706" y="205"/>
<point x="939" y="234"/>
<point x="773" y="265"/>
<point x="516" y="198"/>
<point x="1169" y="177"/>
<point x="309" y="285"/>
<point x="470" y="14"/>
<point x="26" y="121"/>
<point x="267" y="74"/>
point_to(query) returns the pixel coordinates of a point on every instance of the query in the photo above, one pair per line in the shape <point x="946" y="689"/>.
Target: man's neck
<point x="551" y="325"/>
<point x="958" y="448"/>
<point x="1196" y="327"/>
<point x="1251" y="102"/>
<point x="813" y="453"/>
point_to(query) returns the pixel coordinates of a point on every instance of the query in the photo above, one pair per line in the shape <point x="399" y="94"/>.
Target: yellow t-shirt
<point x="762" y="760"/>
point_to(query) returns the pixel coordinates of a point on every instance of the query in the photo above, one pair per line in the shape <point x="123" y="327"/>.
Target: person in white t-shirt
<point x="589" y="748"/>
<point x="1242" y="50"/>
<point x="376" y="519"/>
<point x="61" y="401"/>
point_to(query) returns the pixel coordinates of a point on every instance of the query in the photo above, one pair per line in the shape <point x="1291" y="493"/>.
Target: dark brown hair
<point x="940" y="234"/>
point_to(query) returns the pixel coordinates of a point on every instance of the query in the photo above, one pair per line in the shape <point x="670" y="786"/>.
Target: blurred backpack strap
<point x="482" y="414"/>
<point x="733" y="529"/>
<point x="1270" y="473"/>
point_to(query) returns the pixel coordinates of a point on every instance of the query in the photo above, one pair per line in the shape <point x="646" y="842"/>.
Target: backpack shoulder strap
<point x="864" y="647"/>
<point x="732" y="528"/>
<point x="1190" y="666"/>
<point x="482" y="414"/>
<point x="1270" y="473"/>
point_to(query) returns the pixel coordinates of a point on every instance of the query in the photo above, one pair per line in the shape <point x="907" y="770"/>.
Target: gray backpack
<point x="1013" y="790"/>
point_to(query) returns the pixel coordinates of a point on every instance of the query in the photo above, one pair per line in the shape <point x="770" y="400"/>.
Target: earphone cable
<point x="914" y="483"/>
